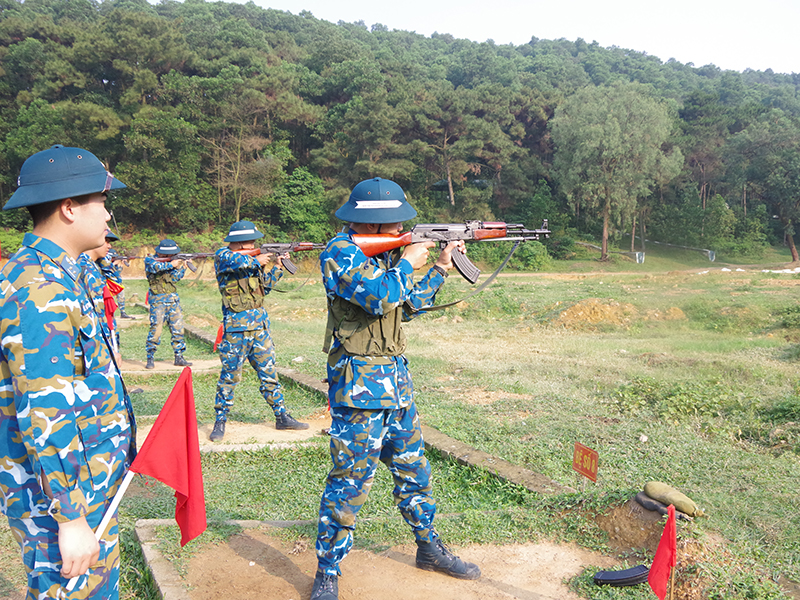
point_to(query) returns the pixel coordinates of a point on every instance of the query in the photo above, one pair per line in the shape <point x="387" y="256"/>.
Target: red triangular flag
<point x="171" y="454"/>
<point x="114" y="287"/>
<point x="665" y="558"/>
<point x="220" y="334"/>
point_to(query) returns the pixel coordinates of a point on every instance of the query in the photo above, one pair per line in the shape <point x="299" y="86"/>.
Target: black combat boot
<point x="124" y="315"/>
<point x="181" y="362"/>
<point x="435" y="556"/>
<point x="150" y="363"/>
<point x="287" y="421"/>
<point x="219" y="431"/>
<point x="326" y="587"/>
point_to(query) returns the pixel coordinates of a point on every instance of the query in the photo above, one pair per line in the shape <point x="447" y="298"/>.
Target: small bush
<point x="10" y="241"/>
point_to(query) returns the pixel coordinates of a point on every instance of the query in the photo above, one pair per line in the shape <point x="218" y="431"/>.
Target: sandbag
<point x="669" y="495"/>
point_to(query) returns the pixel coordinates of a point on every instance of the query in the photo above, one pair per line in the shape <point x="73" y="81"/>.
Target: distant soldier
<point x="67" y="432"/>
<point x="113" y="272"/>
<point x="244" y="283"/>
<point x="165" y="305"/>
<point x="96" y="272"/>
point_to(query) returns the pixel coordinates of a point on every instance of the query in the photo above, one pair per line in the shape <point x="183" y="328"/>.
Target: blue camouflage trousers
<point x="359" y="439"/>
<point x="38" y="541"/>
<point x="171" y="313"/>
<point x="255" y="346"/>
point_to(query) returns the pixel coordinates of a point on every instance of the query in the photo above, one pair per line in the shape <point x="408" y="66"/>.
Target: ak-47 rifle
<point x="115" y="256"/>
<point x="282" y="248"/>
<point x="373" y="244"/>
<point x="186" y="257"/>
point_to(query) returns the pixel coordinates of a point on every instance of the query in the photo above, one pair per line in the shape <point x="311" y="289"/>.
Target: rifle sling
<point x="293" y="289"/>
<point x="478" y="290"/>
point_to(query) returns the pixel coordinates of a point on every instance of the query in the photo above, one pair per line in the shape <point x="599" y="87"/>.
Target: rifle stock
<point x="283" y="248"/>
<point x="186" y="257"/>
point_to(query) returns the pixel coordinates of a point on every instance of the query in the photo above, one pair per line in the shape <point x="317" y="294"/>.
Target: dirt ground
<point x="256" y="564"/>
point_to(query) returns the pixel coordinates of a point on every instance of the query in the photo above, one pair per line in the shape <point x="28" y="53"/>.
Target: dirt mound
<point x="594" y="313"/>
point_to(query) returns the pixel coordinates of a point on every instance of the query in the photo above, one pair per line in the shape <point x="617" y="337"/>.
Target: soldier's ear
<point x="66" y="209"/>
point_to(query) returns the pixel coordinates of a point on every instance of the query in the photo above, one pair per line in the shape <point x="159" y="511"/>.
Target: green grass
<point x="716" y="396"/>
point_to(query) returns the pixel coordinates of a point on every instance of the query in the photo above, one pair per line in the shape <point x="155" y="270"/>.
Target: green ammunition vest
<point x="362" y="334"/>
<point x="161" y="283"/>
<point x="243" y="294"/>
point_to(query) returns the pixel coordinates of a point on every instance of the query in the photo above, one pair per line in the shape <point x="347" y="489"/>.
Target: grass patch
<point x="714" y="395"/>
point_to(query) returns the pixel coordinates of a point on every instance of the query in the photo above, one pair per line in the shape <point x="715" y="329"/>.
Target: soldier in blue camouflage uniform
<point x="95" y="270"/>
<point x="374" y="417"/>
<point x="66" y="426"/>
<point x="112" y="271"/>
<point x="244" y="283"/>
<point x="165" y="305"/>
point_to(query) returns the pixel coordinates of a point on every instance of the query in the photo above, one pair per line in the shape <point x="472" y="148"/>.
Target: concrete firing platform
<point x="255" y="563"/>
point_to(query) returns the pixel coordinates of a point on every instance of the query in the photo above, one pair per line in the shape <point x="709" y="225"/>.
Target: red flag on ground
<point x="220" y="334"/>
<point x="665" y="558"/>
<point x="171" y="454"/>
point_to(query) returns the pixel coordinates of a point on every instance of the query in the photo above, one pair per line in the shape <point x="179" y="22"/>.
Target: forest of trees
<point x="213" y="111"/>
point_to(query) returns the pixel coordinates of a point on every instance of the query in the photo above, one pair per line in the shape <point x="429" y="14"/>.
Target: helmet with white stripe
<point x="376" y="201"/>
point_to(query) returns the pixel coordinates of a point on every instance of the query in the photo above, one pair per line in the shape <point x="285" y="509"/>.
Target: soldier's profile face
<point x="91" y="220"/>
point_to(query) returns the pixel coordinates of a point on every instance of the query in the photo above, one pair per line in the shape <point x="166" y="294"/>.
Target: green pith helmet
<point x="58" y="173"/>
<point x="168" y="247"/>
<point x="376" y="201"/>
<point x="243" y="231"/>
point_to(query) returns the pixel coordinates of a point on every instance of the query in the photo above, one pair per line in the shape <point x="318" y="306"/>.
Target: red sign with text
<point x="584" y="461"/>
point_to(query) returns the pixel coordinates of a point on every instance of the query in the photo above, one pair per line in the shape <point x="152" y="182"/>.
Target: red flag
<point x="665" y="558"/>
<point x="171" y="454"/>
<point x="110" y="304"/>
<point x="220" y="333"/>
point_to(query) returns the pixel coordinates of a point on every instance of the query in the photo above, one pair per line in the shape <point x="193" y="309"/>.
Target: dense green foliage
<point x="213" y="111"/>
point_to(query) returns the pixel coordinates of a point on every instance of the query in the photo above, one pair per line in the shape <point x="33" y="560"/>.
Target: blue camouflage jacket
<point x="95" y="282"/>
<point x="65" y="419"/>
<point x="110" y="269"/>
<point x="154" y="267"/>
<point x="375" y="285"/>
<point x="231" y="266"/>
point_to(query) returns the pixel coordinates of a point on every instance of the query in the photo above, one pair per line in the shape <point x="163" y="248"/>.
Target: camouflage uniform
<point x="164" y="304"/>
<point x="94" y="281"/>
<point x="371" y="395"/>
<point x="113" y="272"/>
<point x="246" y="326"/>
<point x="64" y="418"/>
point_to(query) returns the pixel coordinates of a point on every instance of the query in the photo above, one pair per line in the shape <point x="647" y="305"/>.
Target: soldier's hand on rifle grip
<point x="417" y="254"/>
<point x="445" y="260"/>
<point x="264" y="259"/>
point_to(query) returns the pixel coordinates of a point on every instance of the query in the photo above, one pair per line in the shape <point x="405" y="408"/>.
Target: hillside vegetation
<point x="214" y="111"/>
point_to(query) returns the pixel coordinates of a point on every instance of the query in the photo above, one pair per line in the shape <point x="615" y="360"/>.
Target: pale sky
<point x="732" y="34"/>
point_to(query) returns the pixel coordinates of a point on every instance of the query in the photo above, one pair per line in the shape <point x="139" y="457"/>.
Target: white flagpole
<point x="112" y="509"/>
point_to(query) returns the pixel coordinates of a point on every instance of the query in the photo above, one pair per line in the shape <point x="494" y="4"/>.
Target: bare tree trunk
<point x="447" y="171"/>
<point x="633" y="233"/>
<point x="793" y="248"/>
<point x="449" y="182"/>
<point x="604" y="251"/>
<point x="641" y="228"/>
